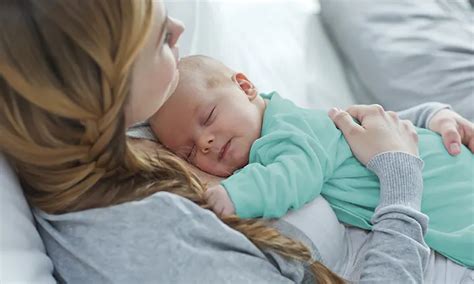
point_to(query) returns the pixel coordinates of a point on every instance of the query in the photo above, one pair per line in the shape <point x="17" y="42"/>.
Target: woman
<point x="80" y="74"/>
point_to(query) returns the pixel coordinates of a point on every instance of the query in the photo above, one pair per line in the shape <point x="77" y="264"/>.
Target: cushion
<point x="281" y="46"/>
<point x="402" y="53"/>
<point x="22" y="254"/>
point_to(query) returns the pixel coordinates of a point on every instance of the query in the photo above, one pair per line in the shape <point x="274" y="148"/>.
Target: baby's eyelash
<point x="188" y="157"/>
<point x="210" y="115"/>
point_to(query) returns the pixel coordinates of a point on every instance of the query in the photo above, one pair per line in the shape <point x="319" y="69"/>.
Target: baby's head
<point x="213" y="117"/>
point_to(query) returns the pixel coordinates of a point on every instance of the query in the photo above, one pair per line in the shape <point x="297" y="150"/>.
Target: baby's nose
<point x="206" y="144"/>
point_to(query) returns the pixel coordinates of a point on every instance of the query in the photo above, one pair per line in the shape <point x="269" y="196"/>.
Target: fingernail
<point x="332" y="111"/>
<point x="454" y="148"/>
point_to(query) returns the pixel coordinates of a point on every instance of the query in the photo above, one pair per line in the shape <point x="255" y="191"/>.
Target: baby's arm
<point x="290" y="173"/>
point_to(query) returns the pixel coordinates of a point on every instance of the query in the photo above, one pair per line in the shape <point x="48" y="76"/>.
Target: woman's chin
<point x="172" y="86"/>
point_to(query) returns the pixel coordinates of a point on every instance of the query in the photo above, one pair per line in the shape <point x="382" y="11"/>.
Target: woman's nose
<point x="177" y="28"/>
<point x="205" y="143"/>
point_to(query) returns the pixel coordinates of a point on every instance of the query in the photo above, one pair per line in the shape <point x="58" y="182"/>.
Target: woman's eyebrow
<point x="162" y="31"/>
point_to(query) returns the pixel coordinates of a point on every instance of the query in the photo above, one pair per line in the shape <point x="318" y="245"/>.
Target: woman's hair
<point x="65" y="70"/>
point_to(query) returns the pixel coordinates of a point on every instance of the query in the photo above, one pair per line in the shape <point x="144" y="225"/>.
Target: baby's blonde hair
<point x="65" y="69"/>
<point x="206" y="72"/>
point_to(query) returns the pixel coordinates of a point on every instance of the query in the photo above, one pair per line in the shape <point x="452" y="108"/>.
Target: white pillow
<point x="280" y="45"/>
<point x="22" y="254"/>
<point x="403" y="53"/>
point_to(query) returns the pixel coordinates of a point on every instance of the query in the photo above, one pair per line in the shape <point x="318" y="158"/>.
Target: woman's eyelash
<point x="167" y="37"/>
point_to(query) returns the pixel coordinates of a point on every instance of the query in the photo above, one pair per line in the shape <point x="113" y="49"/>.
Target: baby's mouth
<point x="224" y="149"/>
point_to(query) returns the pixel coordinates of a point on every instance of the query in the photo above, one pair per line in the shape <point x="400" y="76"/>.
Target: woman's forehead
<point x="159" y="25"/>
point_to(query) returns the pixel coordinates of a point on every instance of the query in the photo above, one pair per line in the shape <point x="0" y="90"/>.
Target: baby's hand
<point x="454" y="129"/>
<point x="219" y="200"/>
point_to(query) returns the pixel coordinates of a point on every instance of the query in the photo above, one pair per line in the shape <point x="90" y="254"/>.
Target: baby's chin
<point x="223" y="172"/>
<point x="238" y="165"/>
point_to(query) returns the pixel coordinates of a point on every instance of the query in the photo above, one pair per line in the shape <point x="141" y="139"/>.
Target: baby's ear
<point x="246" y="85"/>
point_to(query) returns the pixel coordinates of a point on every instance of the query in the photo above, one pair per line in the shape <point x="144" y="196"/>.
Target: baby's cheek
<point x="242" y="160"/>
<point x="208" y="167"/>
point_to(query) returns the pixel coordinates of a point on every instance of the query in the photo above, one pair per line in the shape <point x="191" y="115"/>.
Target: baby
<point x="277" y="156"/>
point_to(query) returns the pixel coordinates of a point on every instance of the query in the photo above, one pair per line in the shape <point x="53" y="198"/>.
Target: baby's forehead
<point x="204" y="77"/>
<point x="186" y="103"/>
<point x="192" y="92"/>
<point x="201" y="80"/>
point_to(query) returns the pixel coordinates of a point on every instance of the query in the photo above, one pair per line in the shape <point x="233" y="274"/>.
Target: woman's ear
<point x="246" y="85"/>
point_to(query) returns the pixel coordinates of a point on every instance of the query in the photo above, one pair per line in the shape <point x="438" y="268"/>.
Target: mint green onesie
<point x="301" y="154"/>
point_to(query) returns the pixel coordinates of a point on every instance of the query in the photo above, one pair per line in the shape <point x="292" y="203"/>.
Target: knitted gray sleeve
<point x="396" y="250"/>
<point x="421" y="115"/>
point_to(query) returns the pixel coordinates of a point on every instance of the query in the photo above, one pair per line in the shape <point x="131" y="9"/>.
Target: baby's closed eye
<point x="210" y="116"/>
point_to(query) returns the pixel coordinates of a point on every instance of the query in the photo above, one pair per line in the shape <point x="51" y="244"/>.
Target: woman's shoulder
<point x="160" y="204"/>
<point x="153" y="238"/>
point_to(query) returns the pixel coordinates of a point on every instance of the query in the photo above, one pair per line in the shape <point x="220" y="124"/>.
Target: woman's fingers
<point x="361" y="112"/>
<point x="451" y="138"/>
<point x="344" y="122"/>
<point x="410" y="128"/>
<point x="471" y="144"/>
<point x="454" y="130"/>
<point x="467" y="133"/>
<point x="393" y="115"/>
<point x="410" y="131"/>
<point x="378" y="132"/>
<point x="447" y="127"/>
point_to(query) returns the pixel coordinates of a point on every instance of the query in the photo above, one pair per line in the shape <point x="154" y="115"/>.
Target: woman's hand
<point x="454" y="129"/>
<point x="379" y="131"/>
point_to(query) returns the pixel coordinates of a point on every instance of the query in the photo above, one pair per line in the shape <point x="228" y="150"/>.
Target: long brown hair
<point x="65" y="75"/>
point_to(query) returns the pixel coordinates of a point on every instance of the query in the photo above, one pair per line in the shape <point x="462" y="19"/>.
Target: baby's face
<point x="212" y="129"/>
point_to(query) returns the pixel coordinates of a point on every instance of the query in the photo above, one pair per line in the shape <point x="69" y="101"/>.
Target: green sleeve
<point x="290" y="171"/>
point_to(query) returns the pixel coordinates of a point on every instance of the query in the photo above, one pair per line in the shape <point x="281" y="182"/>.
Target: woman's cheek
<point x="168" y="71"/>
